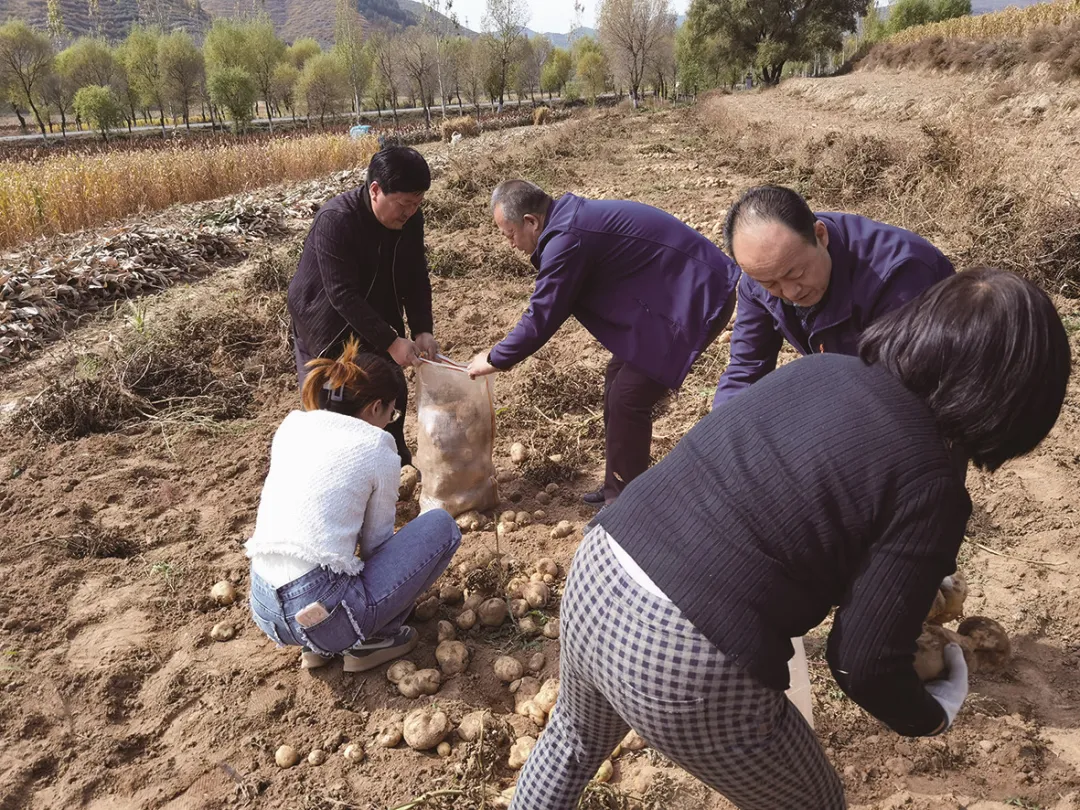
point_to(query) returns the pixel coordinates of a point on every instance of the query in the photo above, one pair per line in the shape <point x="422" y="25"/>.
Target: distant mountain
<point x="562" y="40"/>
<point x="113" y="18"/>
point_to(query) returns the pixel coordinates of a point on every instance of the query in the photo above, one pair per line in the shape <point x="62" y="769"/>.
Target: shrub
<point x="466" y="125"/>
<point x="99" y="106"/>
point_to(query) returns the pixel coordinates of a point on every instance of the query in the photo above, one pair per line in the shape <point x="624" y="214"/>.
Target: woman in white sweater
<point x="328" y="573"/>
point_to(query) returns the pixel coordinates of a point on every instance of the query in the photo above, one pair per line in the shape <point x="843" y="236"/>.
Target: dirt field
<point x="113" y="695"/>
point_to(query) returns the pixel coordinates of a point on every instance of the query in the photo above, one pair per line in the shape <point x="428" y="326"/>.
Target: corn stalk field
<point x="72" y="192"/>
<point x="1009" y="23"/>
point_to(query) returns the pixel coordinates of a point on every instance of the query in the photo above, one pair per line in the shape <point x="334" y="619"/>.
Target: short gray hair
<point x="518" y="198"/>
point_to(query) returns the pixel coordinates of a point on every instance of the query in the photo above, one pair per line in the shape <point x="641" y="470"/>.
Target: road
<point x="387" y="118"/>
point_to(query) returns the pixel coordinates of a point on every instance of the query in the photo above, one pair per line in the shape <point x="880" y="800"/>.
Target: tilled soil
<point x="113" y="694"/>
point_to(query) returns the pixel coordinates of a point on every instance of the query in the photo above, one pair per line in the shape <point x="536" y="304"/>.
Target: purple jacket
<point x="648" y="287"/>
<point x="875" y="269"/>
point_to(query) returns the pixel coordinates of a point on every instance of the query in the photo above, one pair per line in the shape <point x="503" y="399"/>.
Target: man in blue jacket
<point x="652" y="290"/>
<point x="816" y="279"/>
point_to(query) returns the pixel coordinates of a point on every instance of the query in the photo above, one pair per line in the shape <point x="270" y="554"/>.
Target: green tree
<point x="384" y="58"/>
<point x="26" y="61"/>
<point x="93" y="63"/>
<point x="592" y="73"/>
<point x="140" y="55"/>
<point x="556" y="71"/>
<point x="505" y="21"/>
<point x="265" y="52"/>
<point x="417" y="54"/>
<point x="300" y="51"/>
<point x="906" y="13"/>
<point x="875" y="25"/>
<point x="323" y="86"/>
<point x="283" y="87"/>
<point x="771" y="34"/>
<point x="233" y="89"/>
<point x="350" y="52"/>
<point x="228" y="45"/>
<point x="540" y="50"/>
<point x="948" y="9"/>
<point x="97" y="105"/>
<point x="455" y="65"/>
<point x="59" y="88"/>
<point x="182" y="71"/>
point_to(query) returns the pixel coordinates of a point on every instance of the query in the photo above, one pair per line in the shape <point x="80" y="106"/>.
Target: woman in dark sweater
<point x="834" y="482"/>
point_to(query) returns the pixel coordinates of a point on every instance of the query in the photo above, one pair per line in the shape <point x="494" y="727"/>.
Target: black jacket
<point x="826" y="484"/>
<point x="358" y="277"/>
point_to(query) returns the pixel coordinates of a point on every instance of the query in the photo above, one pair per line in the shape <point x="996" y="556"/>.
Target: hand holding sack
<point x="456" y="437"/>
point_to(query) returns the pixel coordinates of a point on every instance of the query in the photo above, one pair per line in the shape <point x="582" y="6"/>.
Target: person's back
<point x="774" y="498"/>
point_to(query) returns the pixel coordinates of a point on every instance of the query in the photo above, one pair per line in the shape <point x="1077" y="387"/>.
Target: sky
<point x="555" y="16"/>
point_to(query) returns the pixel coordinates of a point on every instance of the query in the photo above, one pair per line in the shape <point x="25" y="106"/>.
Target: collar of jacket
<point x="536" y="254"/>
<point x="837" y="307"/>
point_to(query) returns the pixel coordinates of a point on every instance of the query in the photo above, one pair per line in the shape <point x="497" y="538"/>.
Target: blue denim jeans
<point x="362" y="606"/>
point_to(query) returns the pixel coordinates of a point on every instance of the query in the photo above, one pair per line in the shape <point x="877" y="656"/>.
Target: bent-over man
<point x="818" y="280"/>
<point x="651" y="289"/>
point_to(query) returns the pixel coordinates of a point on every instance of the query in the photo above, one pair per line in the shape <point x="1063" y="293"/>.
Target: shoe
<point x="594" y="498"/>
<point x="377" y="651"/>
<point x="313" y="660"/>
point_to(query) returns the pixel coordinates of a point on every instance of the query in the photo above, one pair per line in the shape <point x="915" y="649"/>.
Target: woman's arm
<point x="381" y="512"/>
<point x="871" y="648"/>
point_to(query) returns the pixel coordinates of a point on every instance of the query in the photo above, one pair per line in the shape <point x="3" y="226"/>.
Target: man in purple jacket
<point x="652" y="290"/>
<point x="816" y="279"/>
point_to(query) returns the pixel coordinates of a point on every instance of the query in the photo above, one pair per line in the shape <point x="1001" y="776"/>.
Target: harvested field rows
<point x="112" y="693"/>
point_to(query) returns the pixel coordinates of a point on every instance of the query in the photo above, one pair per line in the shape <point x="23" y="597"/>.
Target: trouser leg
<point x="629" y="399"/>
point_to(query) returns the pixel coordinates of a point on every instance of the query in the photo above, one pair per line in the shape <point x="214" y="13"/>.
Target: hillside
<point x="292" y="18"/>
<point x="114" y="18"/>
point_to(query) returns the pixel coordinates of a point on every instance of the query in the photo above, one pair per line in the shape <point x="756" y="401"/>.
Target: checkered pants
<point x="630" y="659"/>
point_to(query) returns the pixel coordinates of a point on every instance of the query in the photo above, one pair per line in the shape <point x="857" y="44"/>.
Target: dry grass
<point x="273" y="270"/>
<point x="948" y="186"/>
<point x="976" y="45"/>
<point x="196" y="368"/>
<point x="72" y="192"/>
<point x="464" y="125"/>
<point x="92" y="539"/>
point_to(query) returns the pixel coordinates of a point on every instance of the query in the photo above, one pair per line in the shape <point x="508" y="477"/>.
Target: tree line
<point x="242" y="68"/>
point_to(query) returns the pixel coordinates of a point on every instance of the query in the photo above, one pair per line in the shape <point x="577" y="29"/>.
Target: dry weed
<point x="273" y="270"/>
<point x="464" y="125"/>
<point x="92" y="539"/>
<point x="200" y="367"/>
<point x="951" y="188"/>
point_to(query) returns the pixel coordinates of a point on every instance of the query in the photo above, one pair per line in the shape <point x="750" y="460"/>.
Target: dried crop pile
<point x="38" y="299"/>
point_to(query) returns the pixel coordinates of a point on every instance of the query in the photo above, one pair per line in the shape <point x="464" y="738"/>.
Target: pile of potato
<point x="985" y="643"/>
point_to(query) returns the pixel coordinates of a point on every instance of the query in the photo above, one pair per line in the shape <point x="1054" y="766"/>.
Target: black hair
<point x="988" y="352"/>
<point x="770" y="204"/>
<point x="399" y="169"/>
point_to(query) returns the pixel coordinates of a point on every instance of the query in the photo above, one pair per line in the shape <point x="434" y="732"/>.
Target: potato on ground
<point x="519" y="752"/>
<point x="475" y="724"/>
<point x="536" y="594"/>
<point x="548" y="695"/>
<point x="508" y="669"/>
<point x="493" y="612"/>
<point x="425" y="728"/>
<point x="422" y="682"/>
<point x="453" y="657"/>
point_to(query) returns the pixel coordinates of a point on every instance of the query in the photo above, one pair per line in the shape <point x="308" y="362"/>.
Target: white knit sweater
<point x="330" y="497"/>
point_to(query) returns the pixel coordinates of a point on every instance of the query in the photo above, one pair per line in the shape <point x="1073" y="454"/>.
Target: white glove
<point x="951" y="690"/>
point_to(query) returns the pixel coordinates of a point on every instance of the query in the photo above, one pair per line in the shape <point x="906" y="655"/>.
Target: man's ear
<point x="822" y="233"/>
<point x="532" y="220"/>
<point x="375" y="189"/>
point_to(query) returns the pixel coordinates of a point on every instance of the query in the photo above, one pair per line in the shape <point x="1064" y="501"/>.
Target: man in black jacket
<point x="363" y="271"/>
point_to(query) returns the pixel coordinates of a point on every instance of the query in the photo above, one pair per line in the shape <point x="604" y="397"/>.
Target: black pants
<point x="395" y="428"/>
<point x="629" y="399"/>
